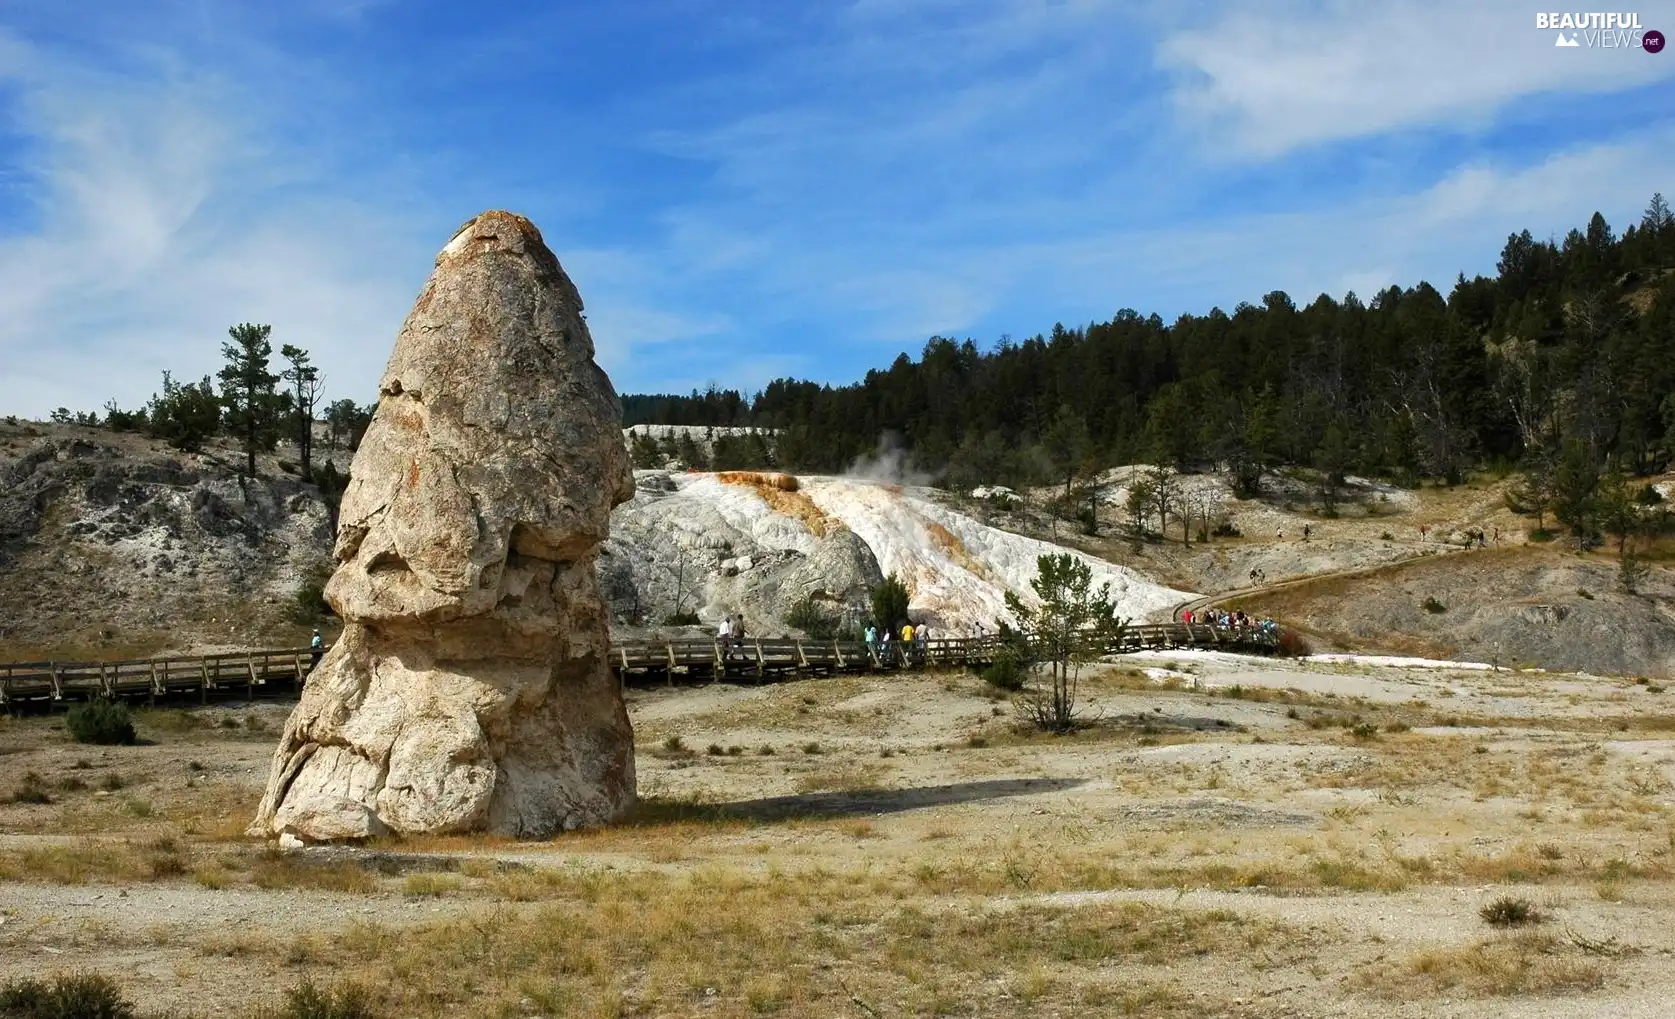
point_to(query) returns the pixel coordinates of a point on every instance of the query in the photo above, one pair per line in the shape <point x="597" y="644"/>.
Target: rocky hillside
<point x="1517" y="605"/>
<point x="113" y="545"/>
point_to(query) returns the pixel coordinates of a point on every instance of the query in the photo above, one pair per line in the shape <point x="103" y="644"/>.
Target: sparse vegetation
<point x="1509" y="911"/>
<point x="68" y="996"/>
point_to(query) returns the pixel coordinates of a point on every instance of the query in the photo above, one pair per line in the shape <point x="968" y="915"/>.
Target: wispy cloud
<point x="1275" y="76"/>
<point x="160" y="224"/>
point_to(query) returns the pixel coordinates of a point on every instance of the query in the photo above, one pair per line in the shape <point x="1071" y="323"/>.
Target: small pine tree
<point x="889" y="603"/>
<point x="1075" y="624"/>
<point x="247" y="390"/>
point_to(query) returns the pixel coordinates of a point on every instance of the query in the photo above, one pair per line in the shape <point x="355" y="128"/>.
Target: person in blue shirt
<point x="318" y="648"/>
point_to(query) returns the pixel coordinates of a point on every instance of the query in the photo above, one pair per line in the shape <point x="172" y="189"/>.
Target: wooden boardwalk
<point x="250" y="674"/>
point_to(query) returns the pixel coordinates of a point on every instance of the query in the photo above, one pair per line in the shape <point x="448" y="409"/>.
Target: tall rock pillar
<point x="471" y="689"/>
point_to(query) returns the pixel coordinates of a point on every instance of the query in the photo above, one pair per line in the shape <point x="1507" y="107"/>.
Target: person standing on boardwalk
<point x="872" y="639"/>
<point x="922" y="640"/>
<point x="316" y="648"/>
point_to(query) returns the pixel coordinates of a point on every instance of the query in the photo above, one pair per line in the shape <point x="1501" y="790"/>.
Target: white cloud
<point x="1285" y="74"/>
<point x="159" y="222"/>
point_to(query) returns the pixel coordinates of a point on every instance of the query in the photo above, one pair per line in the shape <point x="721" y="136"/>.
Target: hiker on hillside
<point x="317" y="648"/>
<point x="1306" y="531"/>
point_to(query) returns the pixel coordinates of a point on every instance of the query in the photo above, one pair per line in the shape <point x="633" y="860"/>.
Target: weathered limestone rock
<point x="471" y="690"/>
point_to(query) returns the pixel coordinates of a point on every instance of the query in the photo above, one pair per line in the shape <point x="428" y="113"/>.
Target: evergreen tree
<point x="247" y="390"/>
<point x="1575" y="487"/>
<point x="306" y="385"/>
<point x="1073" y="624"/>
<point x="889" y="604"/>
<point x="185" y="416"/>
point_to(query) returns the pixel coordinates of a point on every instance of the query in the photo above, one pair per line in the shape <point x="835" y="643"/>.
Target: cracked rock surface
<point x="470" y="690"/>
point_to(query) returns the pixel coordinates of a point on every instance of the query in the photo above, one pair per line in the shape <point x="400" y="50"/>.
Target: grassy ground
<point x="1227" y="839"/>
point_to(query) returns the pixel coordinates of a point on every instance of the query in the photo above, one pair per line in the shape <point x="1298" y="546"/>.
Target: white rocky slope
<point x="720" y="547"/>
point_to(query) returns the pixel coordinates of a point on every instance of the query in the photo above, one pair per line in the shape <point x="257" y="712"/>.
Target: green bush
<point x="1007" y="672"/>
<point x="813" y="619"/>
<point x="305" y="1001"/>
<point x="889" y="603"/>
<point x="309" y="603"/>
<point x="75" y="996"/>
<point x="1434" y="607"/>
<point x="101" y="721"/>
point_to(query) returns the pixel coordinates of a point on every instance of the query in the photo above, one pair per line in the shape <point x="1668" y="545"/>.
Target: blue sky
<point x="745" y="190"/>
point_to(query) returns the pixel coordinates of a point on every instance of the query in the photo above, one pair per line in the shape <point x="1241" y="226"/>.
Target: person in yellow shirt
<point x="907" y="634"/>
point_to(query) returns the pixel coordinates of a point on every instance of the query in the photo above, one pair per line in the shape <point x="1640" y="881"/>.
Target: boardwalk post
<point x="669" y="647"/>
<point x="802" y="659"/>
<point x="296" y="663"/>
<point x="837" y="653"/>
<point x="57" y="684"/>
<point x="156" y="687"/>
<point x="760" y="665"/>
<point x="250" y="663"/>
<point x="203" y="674"/>
<point x="720" y="663"/>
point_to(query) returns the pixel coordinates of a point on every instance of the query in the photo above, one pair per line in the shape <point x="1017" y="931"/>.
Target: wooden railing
<point x="249" y="673"/>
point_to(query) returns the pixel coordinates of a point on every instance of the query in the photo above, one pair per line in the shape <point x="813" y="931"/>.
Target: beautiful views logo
<point x="1601" y="30"/>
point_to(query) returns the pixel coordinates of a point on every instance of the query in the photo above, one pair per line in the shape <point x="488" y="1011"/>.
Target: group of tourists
<point x="912" y="642"/>
<point x="1236" y="620"/>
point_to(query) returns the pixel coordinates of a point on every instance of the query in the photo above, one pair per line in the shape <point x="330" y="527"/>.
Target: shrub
<point x="1364" y="731"/>
<point x="681" y="617"/>
<point x="73" y="996"/>
<point x="1006" y="672"/>
<point x="889" y="603"/>
<point x="813" y="618"/>
<point x="33" y="789"/>
<point x="1434" y="607"/>
<point x="308" y="604"/>
<point x="101" y="721"/>
<point x="1507" y="911"/>
<point x="674" y="745"/>
<point x="1387" y="536"/>
<point x="1225" y="529"/>
<point x="1293" y="644"/>
<point x="305" y="1001"/>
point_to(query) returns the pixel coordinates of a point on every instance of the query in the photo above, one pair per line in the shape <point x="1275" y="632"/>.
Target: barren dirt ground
<point x="1230" y="837"/>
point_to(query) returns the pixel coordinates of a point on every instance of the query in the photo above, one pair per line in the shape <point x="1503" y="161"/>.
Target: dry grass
<point x="1520" y="964"/>
<point x="810" y="943"/>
